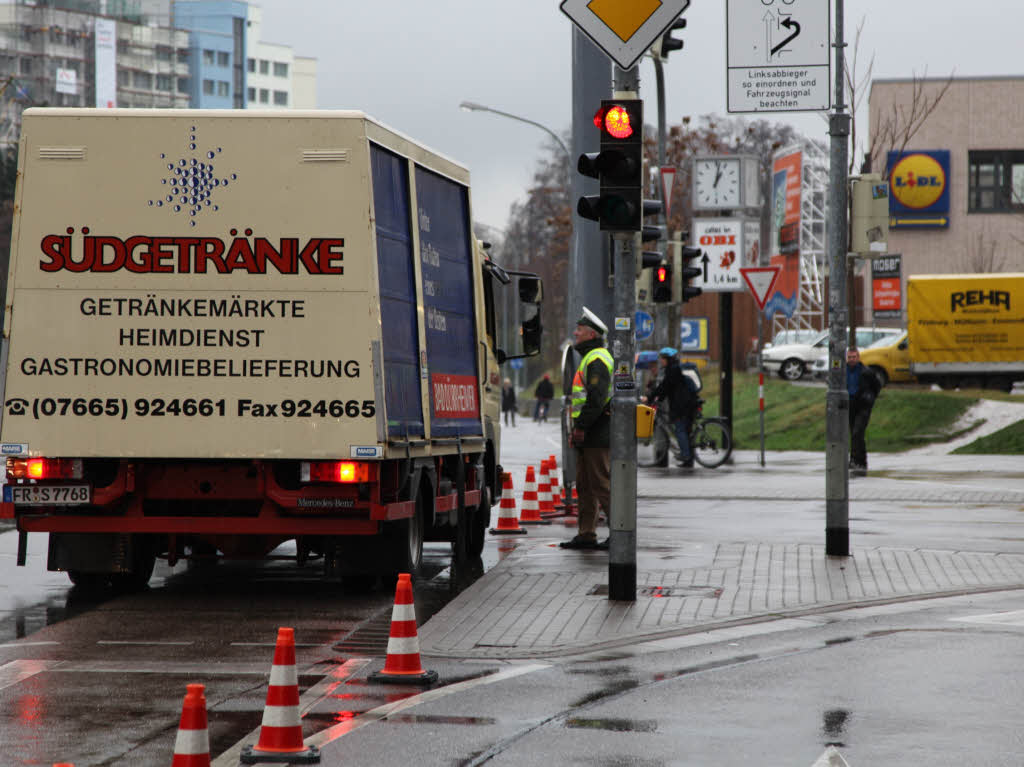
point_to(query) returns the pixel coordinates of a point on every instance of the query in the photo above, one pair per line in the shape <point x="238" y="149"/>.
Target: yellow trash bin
<point x="644" y="422"/>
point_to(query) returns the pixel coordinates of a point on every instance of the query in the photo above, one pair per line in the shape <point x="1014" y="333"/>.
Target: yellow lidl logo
<point x="917" y="181"/>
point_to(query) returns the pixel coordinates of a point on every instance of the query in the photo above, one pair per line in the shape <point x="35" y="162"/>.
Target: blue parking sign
<point x="644" y="326"/>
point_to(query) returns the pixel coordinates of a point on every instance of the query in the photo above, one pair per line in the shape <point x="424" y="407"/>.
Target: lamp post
<point x="472" y="106"/>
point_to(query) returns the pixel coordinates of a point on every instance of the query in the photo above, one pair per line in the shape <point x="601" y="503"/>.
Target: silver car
<point x="793" y="361"/>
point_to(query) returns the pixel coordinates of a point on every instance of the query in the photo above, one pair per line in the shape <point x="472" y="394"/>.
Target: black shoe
<point x="603" y="544"/>
<point x="579" y="542"/>
<point x="662" y="464"/>
<point x="686" y="464"/>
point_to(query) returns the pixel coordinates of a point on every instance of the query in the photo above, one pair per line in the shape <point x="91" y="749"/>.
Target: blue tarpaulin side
<point x="446" y="268"/>
<point x="397" y="292"/>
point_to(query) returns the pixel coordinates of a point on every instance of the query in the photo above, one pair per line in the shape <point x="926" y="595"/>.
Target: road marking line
<point x="831" y="758"/>
<point x="324" y="737"/>
<point x="29" y="644"/>
<point x="19" y="670"/>
<point x="142" y="643"/>
<point x="273" y="644"/>
<point x="1011" y="618"/>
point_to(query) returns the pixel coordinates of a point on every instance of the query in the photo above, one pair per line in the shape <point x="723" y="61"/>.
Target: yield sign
<point x="668" y="178"/>
<point x="624" y="29"/>
<point x="760" y="280"/>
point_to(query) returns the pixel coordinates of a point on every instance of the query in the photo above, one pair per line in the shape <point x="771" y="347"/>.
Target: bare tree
<point x="981" y="256"/>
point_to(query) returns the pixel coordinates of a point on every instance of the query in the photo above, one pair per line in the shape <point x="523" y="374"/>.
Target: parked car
<point x="793" y="336"/>
<point x="793" y="361"/>
<point x="872" y="342"/>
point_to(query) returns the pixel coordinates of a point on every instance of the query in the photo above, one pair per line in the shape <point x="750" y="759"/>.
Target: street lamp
<point x="472" y="106"/>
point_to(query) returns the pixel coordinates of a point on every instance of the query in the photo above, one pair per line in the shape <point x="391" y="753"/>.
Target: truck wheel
<point x="883" y="377"/>
<point x="792" y="369"/>
<point x="479" y="521"/>
<point x="143" y="562"/>
<point x="405" y="541"/>
<point x="89" y="581"/>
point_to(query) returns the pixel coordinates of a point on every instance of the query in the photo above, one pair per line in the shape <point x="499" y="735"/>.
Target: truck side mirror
<point x="532" y="334"/>
<point x="531" y="290"/>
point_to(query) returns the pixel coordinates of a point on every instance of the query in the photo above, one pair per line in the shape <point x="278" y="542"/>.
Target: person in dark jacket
<point x="591" y="428"/>
<point x="863" y="387"/>
<point x="544" y="392"/>
<point x="677" y="392"/>
<point x="508" y="401"/>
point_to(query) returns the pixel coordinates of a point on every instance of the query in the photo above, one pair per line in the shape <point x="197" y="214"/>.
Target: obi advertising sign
<point x="919" y="185"/>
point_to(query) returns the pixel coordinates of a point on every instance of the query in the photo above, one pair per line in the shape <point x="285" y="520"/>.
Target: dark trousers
<point x="859" y="417"/>
<point x="682" y="427"/>
<point x="593" y="485"/>
<point x="510" y="414"/>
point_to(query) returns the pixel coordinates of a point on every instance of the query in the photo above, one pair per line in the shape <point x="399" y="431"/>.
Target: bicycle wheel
<point x="712" y="443"/>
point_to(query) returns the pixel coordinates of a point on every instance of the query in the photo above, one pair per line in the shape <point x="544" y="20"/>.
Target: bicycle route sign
<point x="777" y="55"/>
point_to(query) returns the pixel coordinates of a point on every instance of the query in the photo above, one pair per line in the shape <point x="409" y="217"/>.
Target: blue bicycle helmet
<point x="667" y="351"/>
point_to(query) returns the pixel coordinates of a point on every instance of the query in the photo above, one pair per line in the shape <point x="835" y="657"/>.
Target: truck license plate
<point x="50" y="495"/>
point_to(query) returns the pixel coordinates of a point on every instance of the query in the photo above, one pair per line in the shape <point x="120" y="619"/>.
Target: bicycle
<point x="710" y="438"/>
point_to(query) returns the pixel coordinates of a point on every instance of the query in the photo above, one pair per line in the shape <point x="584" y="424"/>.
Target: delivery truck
<point x="966" y="330"/>
<point x="227" y="330"/>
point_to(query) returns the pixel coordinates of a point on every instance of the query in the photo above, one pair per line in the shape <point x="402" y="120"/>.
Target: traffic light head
<point x="665" y="44"/>
<point x="661" y="286"/>
<point x="691" y="268"/>
<point x="619" y="167"/>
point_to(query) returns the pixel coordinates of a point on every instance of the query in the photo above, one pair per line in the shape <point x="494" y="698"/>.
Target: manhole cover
<point x="704" y="592"/>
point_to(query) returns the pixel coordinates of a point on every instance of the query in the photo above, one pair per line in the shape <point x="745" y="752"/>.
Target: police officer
<point x="591" y="428"/>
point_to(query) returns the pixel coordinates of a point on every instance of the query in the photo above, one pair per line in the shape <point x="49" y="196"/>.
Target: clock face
<point x="717" y="183"/>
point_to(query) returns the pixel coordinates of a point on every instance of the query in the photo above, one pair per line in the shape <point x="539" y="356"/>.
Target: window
<point x="264" y="96"/>
<point x="264" y="67"/>
<point x="208" y="87"/>
<point x="183" y="55"/>
<point x="124" y="78"/>
<point x="251" y="94"/>
<point x="74" y="65"/>
<point x="26" y="66"/>
<point x="222" y="88"/>
<point x="163" y="53"/>
<point x="163" y="82"/>
<point x="280" y="69"/>
<point x="182" y="85"/>
<point x="209" y="57"/>
<point x="143" y="80"/>
<point x="995" y="181"/>
<point x="223" y="59"/>
<point x="252" y="65"/>
<point x="281" y="98"/>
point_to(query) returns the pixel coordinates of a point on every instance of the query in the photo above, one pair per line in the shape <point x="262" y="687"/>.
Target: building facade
<point x="275" y="77"/>
<point x="217" y="42"/>
<point x="956" y="175"/>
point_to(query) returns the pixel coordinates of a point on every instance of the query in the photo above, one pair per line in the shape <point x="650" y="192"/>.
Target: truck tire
<point x="404" y="539"/>
<point x="143" y="562"/>
<point x="89" y="581"/>
<point x="792" y="369"/>
<point x="479" y="521"/>
<point x="883" y="377"/>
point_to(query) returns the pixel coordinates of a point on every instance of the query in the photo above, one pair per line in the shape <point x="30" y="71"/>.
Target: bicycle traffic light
<point x="661" y="286"/>
<point x="619" y="167"/>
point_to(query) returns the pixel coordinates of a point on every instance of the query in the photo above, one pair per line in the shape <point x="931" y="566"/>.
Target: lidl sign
<point x="919" y="185"/>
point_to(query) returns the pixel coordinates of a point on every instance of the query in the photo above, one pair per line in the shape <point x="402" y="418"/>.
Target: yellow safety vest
<point x="579" y="387"/>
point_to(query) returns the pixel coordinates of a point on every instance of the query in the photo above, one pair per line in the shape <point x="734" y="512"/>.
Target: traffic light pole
<point x="622" y="515"/>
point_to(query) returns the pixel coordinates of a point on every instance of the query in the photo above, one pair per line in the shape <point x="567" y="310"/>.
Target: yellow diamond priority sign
<point x="624" y="29"/>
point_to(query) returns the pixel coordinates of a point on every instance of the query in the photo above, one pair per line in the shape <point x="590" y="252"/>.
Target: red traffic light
<point x="615" y="120"/>
<point x="662" y="274"/>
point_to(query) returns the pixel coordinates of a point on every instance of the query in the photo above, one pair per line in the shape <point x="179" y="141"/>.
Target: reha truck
<point x="226" y="330"/>
<point x="966" y="330"/>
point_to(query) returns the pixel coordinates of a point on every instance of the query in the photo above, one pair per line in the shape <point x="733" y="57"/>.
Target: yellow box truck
<point x="966" y="330"/>
<point x="229" y="329"/>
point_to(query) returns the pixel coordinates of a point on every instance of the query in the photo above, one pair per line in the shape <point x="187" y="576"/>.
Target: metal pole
<point x="725" y="372"/>
<point x="837" y="402"/>
<point x="664" y="313"/>
<point x="622" y="515"/>
<point x="760" y="375"/>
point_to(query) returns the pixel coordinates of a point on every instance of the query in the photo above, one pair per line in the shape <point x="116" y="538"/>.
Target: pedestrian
<point x="863" y="386"/>
<point x="544" y="393"/>
<point x="662" y="426"/>
<point x="591" y="428"/>
<point x="508" y="401"/>
<point x="678" y="395"/>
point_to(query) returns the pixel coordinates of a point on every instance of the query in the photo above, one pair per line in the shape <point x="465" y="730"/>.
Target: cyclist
<point x="680" y="394"/>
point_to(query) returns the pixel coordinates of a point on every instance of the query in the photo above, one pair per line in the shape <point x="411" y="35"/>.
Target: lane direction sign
<point x="761" y="280"/>
<point x="777" y="55"/>
<point x="624" y="29"/>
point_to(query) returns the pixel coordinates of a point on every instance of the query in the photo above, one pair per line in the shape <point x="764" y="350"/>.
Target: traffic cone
<point x="556" y="491"/>
<point x="508" y="520"/>
<point x="192" y="746"/>
<point x="402" y="665"/>
<point x="544" y="501"/>
<point x="281" y="731"/>
<point x="530" y="514"/>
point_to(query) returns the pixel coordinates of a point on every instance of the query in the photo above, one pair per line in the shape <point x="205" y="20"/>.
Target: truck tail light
<point x="336" y="471"/>
<point x="44" y="468"/>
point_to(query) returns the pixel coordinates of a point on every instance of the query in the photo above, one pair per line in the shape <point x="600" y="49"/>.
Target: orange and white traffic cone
<point x="192" y="746"/>
<point x="556" y="492"/>
<point x="402" y="665"/>
<point x="281" y="732"/>
<point x="530" y="513"/>
<point x="544" y="489"/>
<point x="508" y="519"/>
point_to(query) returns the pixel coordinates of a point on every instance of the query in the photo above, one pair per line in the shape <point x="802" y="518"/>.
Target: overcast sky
<point x="409" y="63"/>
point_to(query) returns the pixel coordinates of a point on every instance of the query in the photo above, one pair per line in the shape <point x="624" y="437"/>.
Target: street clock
<point x="725" y="182"/>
